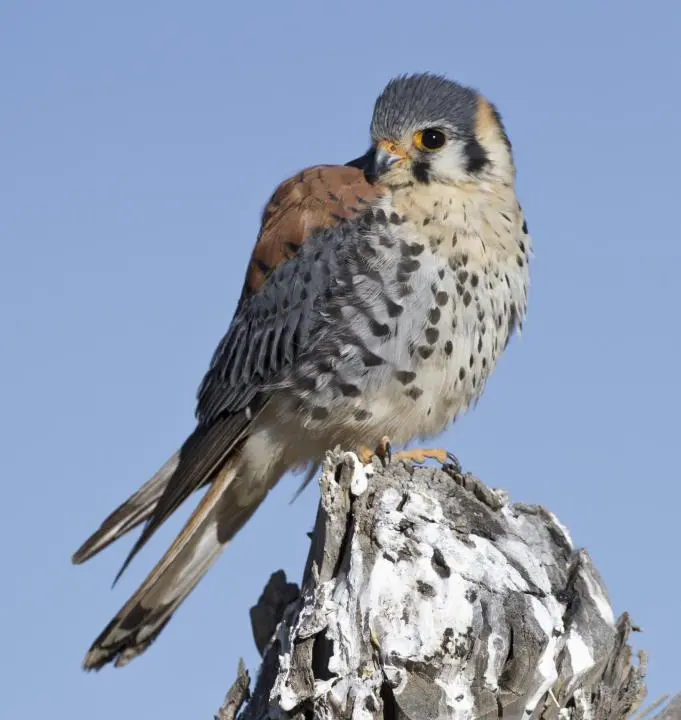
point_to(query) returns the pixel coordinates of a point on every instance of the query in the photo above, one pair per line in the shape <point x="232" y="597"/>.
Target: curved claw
<point x="455" y="463"/>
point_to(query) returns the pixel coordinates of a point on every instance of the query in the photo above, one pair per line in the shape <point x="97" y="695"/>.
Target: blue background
<point x="138" y="143"/>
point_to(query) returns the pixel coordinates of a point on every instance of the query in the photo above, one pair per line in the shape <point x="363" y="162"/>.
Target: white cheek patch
<point x="449" y="164"/>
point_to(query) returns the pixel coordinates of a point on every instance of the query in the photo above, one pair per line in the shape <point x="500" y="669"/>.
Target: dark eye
<point x="429" y="139"/>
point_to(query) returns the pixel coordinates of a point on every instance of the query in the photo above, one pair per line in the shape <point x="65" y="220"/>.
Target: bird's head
<point x="427" y="129"/>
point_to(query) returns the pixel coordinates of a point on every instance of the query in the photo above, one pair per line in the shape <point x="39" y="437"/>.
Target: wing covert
<point x="317" y="198"/>
<point x="285" y="281"/>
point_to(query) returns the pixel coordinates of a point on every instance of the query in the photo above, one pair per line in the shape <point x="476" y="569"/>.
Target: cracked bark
<point x="427" y="595"/>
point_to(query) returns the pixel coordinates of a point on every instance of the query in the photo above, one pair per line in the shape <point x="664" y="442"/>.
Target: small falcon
<point x="377" y="301"/>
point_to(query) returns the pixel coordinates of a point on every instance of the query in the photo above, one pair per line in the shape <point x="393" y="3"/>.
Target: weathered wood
<point x="236" y="696"/>
<point x="427" y="595"/>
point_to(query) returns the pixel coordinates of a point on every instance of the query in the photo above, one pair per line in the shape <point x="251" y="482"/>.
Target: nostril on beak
<point x="384" y="160"/>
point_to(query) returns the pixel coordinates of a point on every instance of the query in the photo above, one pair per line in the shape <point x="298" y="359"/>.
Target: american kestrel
<point x="377" y="301"/>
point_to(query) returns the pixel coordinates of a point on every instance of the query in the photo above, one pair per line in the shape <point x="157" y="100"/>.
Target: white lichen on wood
<point x="426" y="595"/>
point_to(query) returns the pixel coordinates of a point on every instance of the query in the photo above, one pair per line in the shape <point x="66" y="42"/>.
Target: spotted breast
<point x="422" y="298"/>
<point x="468" y="254"/>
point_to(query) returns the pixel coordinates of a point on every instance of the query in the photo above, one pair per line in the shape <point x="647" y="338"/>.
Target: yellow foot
<point x="417" y="455"/>
<point x="420" y="455"/>
<point x="382" y="452"/>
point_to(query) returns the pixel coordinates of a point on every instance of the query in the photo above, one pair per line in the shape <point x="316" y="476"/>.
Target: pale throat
<point x="484" y="217"/>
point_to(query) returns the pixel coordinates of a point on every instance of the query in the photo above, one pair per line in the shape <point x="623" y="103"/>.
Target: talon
<point x="455" y="463"/>
<point x="383" y="452"/>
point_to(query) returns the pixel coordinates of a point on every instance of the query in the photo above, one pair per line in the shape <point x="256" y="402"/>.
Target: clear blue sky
<point x="138" y="142"/>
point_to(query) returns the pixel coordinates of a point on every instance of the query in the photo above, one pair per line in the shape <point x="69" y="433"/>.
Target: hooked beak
<point x="379" y="159"/>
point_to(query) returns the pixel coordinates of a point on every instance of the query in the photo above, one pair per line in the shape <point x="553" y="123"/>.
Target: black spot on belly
<point x="408" y="265"/>
<point x="405" y="377"/>
<point x="432" y="334"/>
<point x="326" y="365"/>
<point x="425" y="352"/>
<point x="393" y="308"/>
<point x="371" y="360"/>
<point x="434" y="316"/>
<point x="349" y="390"/>
<point x="319" y="412"/>
<point x="307" y="382"/>
<point x="414" y="393"/>
<point x="379" y="329"/>
<point x="411" y="248"/>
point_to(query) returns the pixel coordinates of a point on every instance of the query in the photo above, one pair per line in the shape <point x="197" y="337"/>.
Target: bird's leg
<point x="382" y="452"/>
<point x="418" y="455"/>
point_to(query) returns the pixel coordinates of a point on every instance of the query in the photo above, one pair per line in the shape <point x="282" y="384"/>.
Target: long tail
<point x="196" y="463"/>
<point x="127" y="516"/>
<point x="228" y="504"/>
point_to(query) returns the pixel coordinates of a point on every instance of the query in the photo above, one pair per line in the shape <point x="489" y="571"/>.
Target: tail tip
<point x="78" y="557"/>
<point x="97" y="657"/>
<point x="84" y="552"/>
<point x="95" y="660"/>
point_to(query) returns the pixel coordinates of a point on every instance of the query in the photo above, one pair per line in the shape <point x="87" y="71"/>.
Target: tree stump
<point x="426" y="595"/>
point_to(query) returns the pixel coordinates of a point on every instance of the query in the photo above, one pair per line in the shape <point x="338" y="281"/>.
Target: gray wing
<point x="270" y="331"/>
<point x="287" y="319"/>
